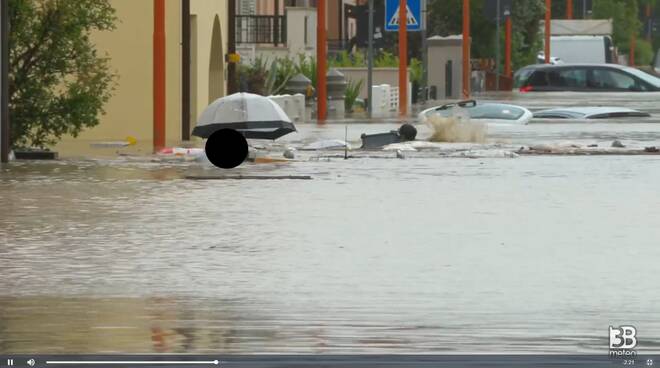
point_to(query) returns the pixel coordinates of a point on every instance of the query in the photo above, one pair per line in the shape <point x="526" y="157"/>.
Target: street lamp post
<point x="403" y="58"/>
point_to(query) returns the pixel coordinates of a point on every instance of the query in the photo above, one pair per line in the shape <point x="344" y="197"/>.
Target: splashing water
<point x="456" y="128"/>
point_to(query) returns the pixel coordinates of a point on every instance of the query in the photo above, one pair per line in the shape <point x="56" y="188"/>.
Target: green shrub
<point x="416" y="71"/>
<point x="386" y="60"/>
<point x="352" y="93"/>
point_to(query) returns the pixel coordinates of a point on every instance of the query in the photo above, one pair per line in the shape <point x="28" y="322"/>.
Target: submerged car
<point x="486" y="112"/>
<point x="590" y="113"/>
<point x="584" y="78"/>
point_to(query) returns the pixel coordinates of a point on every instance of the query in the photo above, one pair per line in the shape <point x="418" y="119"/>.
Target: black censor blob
<point x="226" y="148"/>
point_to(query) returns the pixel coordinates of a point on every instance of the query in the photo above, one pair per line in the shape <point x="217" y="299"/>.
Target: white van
<point x="582" y="49"/>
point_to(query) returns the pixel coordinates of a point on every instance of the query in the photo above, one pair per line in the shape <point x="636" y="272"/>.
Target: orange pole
<point x="507" y="46"/>
<point x="633" y="44"/>
<point x="569" y="9"/>
<point x="159" y="75"/>
<point x="321" y="63"/>
<point x="548" y="19"/>
<point x="403" y="58"/>
<point x="466" y="49"/>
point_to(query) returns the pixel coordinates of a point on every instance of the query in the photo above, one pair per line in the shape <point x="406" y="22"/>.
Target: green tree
<point x="58" y="84"/>
<point x="445" y="18"/>
<point x="526" y="39"/>
<point x="625" y="16"/>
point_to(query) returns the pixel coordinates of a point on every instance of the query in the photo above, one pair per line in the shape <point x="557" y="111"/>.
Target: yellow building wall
<point x="205" y="13"/>
<point x="130" y="111"/>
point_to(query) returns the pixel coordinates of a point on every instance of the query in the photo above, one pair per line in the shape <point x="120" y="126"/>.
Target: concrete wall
<point x="296" y="31"/>
<point x="440" y="51"/>
<point x="380" y="76"/>
<point x="130" y="111"/>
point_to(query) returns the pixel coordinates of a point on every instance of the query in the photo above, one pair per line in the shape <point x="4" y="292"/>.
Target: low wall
<point x="388" y="76"/>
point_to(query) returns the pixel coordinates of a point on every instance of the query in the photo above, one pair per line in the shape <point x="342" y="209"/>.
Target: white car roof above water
<point x="589" y="112"/>
<point x="495" y="112"/>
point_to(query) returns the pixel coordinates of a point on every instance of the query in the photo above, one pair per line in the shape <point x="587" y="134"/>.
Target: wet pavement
<point x="429" y="254"/>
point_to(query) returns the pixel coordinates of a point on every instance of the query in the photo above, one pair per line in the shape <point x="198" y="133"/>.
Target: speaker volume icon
<point x="31" y="362"/>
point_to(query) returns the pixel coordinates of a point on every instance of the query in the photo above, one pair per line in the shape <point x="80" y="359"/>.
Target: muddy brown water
<point x="374" y="255"/>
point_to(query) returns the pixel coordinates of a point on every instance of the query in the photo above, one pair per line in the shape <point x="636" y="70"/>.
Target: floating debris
<point x="290" y="153"/>
<point x="129" y="141"/>
<point x="329" y="144"/>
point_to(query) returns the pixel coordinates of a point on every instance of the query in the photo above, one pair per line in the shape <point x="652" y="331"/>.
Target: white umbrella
<point x="255" y="116"/>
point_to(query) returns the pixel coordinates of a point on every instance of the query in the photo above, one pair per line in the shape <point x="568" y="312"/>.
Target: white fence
<point x="386" y="100"/>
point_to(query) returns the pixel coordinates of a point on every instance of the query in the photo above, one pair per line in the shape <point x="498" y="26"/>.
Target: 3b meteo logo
<point x="622" y="342"/>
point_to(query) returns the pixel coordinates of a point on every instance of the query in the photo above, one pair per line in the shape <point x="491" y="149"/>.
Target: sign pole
<point x="370" y="60"/>
<point x="466" y="49"/>
<point x="403" y="58"/>
<point x="425" y="55"/>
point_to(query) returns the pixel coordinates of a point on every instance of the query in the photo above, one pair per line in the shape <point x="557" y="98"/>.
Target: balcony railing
<point x="261" y="29"/>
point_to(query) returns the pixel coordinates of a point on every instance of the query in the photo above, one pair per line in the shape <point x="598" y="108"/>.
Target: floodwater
<point x="429" y="254"/>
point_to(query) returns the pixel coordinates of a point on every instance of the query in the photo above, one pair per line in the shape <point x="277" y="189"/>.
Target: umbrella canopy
<point x="256" y="117"/>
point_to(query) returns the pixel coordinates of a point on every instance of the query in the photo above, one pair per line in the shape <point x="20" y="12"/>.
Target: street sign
<point x="413" y="15"/>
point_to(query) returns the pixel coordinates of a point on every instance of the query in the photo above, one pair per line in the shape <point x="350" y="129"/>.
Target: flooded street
<point x="430" y="254"/>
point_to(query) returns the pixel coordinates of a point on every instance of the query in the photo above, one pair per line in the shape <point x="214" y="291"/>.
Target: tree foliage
<point x="445" y="18"/>
<point x="624" y="14"/>
<point x="58" y="84"/>
<point x="526" y="39"/>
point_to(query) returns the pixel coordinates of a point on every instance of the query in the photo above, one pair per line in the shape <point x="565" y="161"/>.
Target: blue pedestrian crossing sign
<point x="413" y="15"/>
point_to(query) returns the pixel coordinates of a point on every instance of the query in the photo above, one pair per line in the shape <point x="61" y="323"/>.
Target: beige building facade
<point x="130" y="48"/>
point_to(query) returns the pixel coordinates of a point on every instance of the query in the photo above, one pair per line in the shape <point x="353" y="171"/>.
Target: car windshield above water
<point x="646" y="77"/>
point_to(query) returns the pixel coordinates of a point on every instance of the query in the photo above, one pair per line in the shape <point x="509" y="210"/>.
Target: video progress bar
<point x="130" y="362"/>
